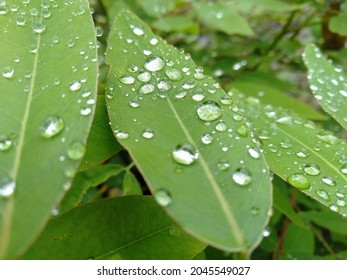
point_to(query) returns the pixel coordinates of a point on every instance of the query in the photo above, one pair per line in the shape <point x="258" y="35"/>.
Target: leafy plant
<point x="127" y="144"/>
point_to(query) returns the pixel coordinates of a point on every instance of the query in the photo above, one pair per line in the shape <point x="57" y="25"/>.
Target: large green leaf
<point x="327" y="83"/>
<point x="132" y="227"/>
<point x="222" y="17"/>
<point x="193" y="148"/>
<point x="309" y="158"/>
<point x="48" y="85"/>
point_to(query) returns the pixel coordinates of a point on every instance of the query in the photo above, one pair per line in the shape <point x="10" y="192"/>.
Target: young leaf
<point x="48" y="85"/>
<point x="130" y="228"/>
<point x="131" y="185"/>
<point x="85" y="180"/>
<point x="222" y="17"/>
<point x="192" y="147"/>
<point x="327" y="83"/>
<point x="302" y="154"/>
<point x="337" y="24"/>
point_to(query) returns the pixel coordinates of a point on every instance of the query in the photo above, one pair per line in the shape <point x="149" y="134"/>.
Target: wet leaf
<point x="134" y="228"/>
<point x="327" y="83"/>
<point x="192" y="147"/>
<point x="46" y="104"/>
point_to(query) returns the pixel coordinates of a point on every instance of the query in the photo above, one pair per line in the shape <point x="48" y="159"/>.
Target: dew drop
<point x="341" y="203"/>
<point x="174" y="231"/>
<point x="343" y="92"/>
<point x="323" y="194"/>
<point x="223" y="165"/>
<point x="148" y="133"/>
<point x="185" y="154"/>
<point x="242" y="176"/>
<point x="138" y="31"/>
<point x="163" y="197"/>
<point x="266" y="232"/>
<point x="38" y="26"/>
<point x="146" y="88"/>
<point x="153" y="41"/>
<point x="21" y="20"/>
<point x="286" y="144"/>
<point x="75" y="85"/>
<point x="329" y="181"/>
<point x="144" y="76"/>
<point x="242" y="130"/>
<point x="221" y="126"/>
<point x="173" y="74"/>
<point x="255" y="211"/>
<point x="312" y="169"/>
<point x="254" y="153"/>
<point x="334" y="208"/>
<point x="127" y="79"/>
<point x="135" y="103"/>
<point x="7" y="187"/>
<point x="207" y="138"/>
<point x="154" y="64"/>
<point x="76" y="151"/>
<point x="8" y="72"/>
<point x="226" y="100"/>
<point x="299" y="181"/>
<point x="51" y="126"/>
<point x="122" y="135"/>
<point x="5" y="143"/>
<point x="343" y="169"/>
<point x="327" y="137"/>
<point x="85" y="111"/>
<point x="164" y="85"/>
<point x="209" y="111"/>
<point x="181" y="94"/>
<point x="198" y="95"/>
<point x="302" y="153"/>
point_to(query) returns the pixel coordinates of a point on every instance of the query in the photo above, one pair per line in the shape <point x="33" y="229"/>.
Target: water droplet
<point x="75" y="85"/>
<point x="174" y="231"/>
<point x="285" y="119"/>
<point x="164" y="85"/>
<point x="153" y="41"/>
<point x="312" y="169"/>
<point x="323" y="194"/>
<point x="144" y="76"/>
<point x="181" y="94"/>
<point x="5" y="143"/>
<point x="254" y="153"/>
<point x="329" y="181"/>
<point x="185" y="154"/>
<point x="51" y="126"/>
<point x="209" y="111"/>
<point x="343" y="169"/>
<point x="38" y="26"/>
<point x="76" y="151"/>
<point x="8" y="72"/>
<point x="221" y="126"/>
<point x="302" y="153"/>
<point x="341" y="203"/>
<point x="242" y="130"/>
<point x="138" y="31"/>
<point x="173" y="74"/>
<point x="334" y="208"/>
<point x="266" y="232"/>
<point x="163" y="197"/>
<point x="133" y="68"/>
<point x="146" y="88"/>
<point x="242" y="176"/>
<point x="21" y="20"/>
<point x="343" y="92"/>
<point x="7" y="187"/>
<point x="154" y="64"/>
<point x="135" y="103"/>
<point x="286" y="144"/>
<point x="85" y="111"/>
<point x="148" y="133"/>
<point x="223" y="165"/>
<point x="207" y="138"/>
<point x="299" y="181"/>
<point x="255" y="211"/>
<point x="189" y="84"/>
<point x="226" y="100"/>
<point x="198" y="95"/>
<point x="127" y="79"/>
<point x="327" y="137"/>
<point x="122" y="135"/>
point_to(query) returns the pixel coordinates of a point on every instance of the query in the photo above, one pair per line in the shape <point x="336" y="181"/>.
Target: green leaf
<point x="337" y="24"/>
<point x="269" y="5"/>
<point x="131" y="185"/>
<point x="45" y="118"/>
<point x="219" y="192"/>
<point x="270" y="90"/>
<point x="302" y="154"/>
<point x="101" y="144"/>
<point x="85" y="180"/>
<point x="156" y="8"/>
<point x="327" y="83"/>
<point x="328" y="220"/>
<point x="174" y="23"/>
<point x="222" y="17"/>
<point x="132" y="227"/>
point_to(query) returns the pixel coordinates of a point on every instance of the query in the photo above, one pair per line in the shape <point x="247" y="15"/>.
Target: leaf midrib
<point x="234" y="227"/>
<point x="7" y="214"/>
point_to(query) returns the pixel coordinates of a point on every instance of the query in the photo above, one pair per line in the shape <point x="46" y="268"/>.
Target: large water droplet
<point x="164" y="85"/>
<point x="148" y="133"/>
<point x="75" y="85"/>
<point x="323" y="194"/>
<point x="207" y="138"/>
<point x="127" y="79"/>
<point x="173" y="74"/>
<point x="154" y="64"/>
<point x="51" y="126"/>
<point x="144" y="76"/>
<point x="76" y="151"/>
<point x="242" y="176"/>
<point x="7" y="187"/>
<point x="38" y="26"/>
<point x="5" y="143"/>
<point x="312" y="169"/>
<point x="299" y="181"/>
<point x="163" y="197"/>
<point x="185" y="154"/>
<point x="209" y="111"/>
<point x="329" y="181"/>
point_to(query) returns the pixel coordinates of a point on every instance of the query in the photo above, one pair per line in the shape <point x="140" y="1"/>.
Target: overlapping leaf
<point x="47" y="95"/>
<point x="193" y="148"/>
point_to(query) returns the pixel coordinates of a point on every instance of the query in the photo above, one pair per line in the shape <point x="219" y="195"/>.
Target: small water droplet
<point x="329" y="181"/>
<point x="207" y="138"/>
<point x="334" y="208"/>
<point x="122" y="135"/>
<point x="51" y="126"/>
<point x="181" y="94"/>
<point x="242" y="176"/>
<point x="173" y="74"/>
<point x="8" y="72"/>
<point x="144" y="76"/>
<point x="153" y="41"/>
<point x="299" y="181"/>
<point x="127" y="79"/>
<point x="76" y="151"/>
<point x="146" y="88"/>
<point x="255" y="210"/>
<point x="138" y="31"/>
<point x="154" y="64"/>
<point x="312" y="169"/>
<point x="5" y="143"/>
<point x="343" y="169"/>
<point x="209" y="111"/>
<point x="323" y="194"/>
<point x="174" y="231"/>
<point x="327" y="137"/>
<point x="7" y="187"/>
<point x="242" y="129"/>
<point x="38" y="26"/>
<point x="221" y="126"/>
<point x="135" y="103"/>
<point x="198" y="95"/>
<point x="286" y="144"/>
<point x="226" y="100"/>
<point x="85" y="111"/>
<point x="163" y="197"/>
<point x="343" y="92"/>
<point x="185" y="154"/>
<point x="21" y="20"/>
<point x="341" y="203"/>
<point x="266" y="232"/>
<point x="164" y="85"/>
<point x="302" y="153"/>
<point x="254" y="153"/>
<point x="223" y="165"/>
<point x="75" y="85"/>
<point x="148" y="133"/>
